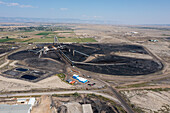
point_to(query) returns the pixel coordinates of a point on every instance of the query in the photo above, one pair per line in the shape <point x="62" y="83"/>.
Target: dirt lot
<point x="9" y="84"/>
<point x="43" y="106"/>
<point x="150" y="101"/>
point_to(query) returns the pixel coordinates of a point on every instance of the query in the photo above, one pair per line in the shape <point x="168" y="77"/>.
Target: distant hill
<point x="55" y="20"/>
<point x="66" y="20"/>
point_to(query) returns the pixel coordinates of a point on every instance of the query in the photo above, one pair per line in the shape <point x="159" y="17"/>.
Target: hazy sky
<point x="119" y="11"/>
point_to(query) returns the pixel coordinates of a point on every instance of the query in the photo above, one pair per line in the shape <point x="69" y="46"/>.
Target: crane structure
<point x="58" y="49"/>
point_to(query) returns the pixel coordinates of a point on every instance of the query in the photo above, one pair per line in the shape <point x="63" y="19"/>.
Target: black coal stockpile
<point x="118" y="65"/>
<point x="21" y="55"/>
<point x="102" y="59"/>
<point x="130" y="67"/>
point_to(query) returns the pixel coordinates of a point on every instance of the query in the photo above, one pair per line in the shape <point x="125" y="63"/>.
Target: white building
<point x="23" y="108"/>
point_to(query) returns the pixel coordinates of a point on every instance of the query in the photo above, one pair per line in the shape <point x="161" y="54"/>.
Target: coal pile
<point x="132" y="67"/>
<point x="44" y="64"/>
<point x="7" y="48"/>
<point x="91" y="49"/>
<point x="26" y="54"/>
<point x="110" y="59"/>
<point x="4" y="50"/>
<point x="21" y="55"/>
<point x="106" y="48"/>
<point x="117" y="65"/>
<point x="12" y="73"/>
<point x="101" y="59"/>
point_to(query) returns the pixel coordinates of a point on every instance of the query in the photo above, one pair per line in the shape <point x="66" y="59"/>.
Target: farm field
<point x="32" y="37"/>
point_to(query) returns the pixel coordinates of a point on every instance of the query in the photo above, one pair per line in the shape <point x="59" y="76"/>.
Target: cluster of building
<point x="80" y="79"/>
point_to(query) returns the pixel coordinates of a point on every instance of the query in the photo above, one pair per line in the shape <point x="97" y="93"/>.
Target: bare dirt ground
<point x="133" y="55"/>
<point x="54" y="82"/>
<point x="8" y="84"/>
<point x="162" y="86"/>
<point x="150" y="101"/>
<point x="43" y="106"/>
<point x="66" y="35"/>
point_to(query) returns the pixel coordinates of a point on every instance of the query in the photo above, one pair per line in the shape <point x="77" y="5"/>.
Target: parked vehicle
<point x="91" y="84"/>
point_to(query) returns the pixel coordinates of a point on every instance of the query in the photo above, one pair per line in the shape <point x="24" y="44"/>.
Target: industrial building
<point x="87" y="108"/>
<point x="80" y="79"/>
<point x="22" y="105"/>
<point x="23" y="108"/>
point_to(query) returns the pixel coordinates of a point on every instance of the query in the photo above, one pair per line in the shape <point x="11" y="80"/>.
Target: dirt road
<point x="60" y="92"/>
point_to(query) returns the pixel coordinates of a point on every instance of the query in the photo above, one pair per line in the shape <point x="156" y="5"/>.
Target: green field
<point x="41" y="40"/>
<point x="6" y="40"/>
<point x="11" y="40"/>
<point x="45" y="33"/>
<point x="48" y="36"/>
